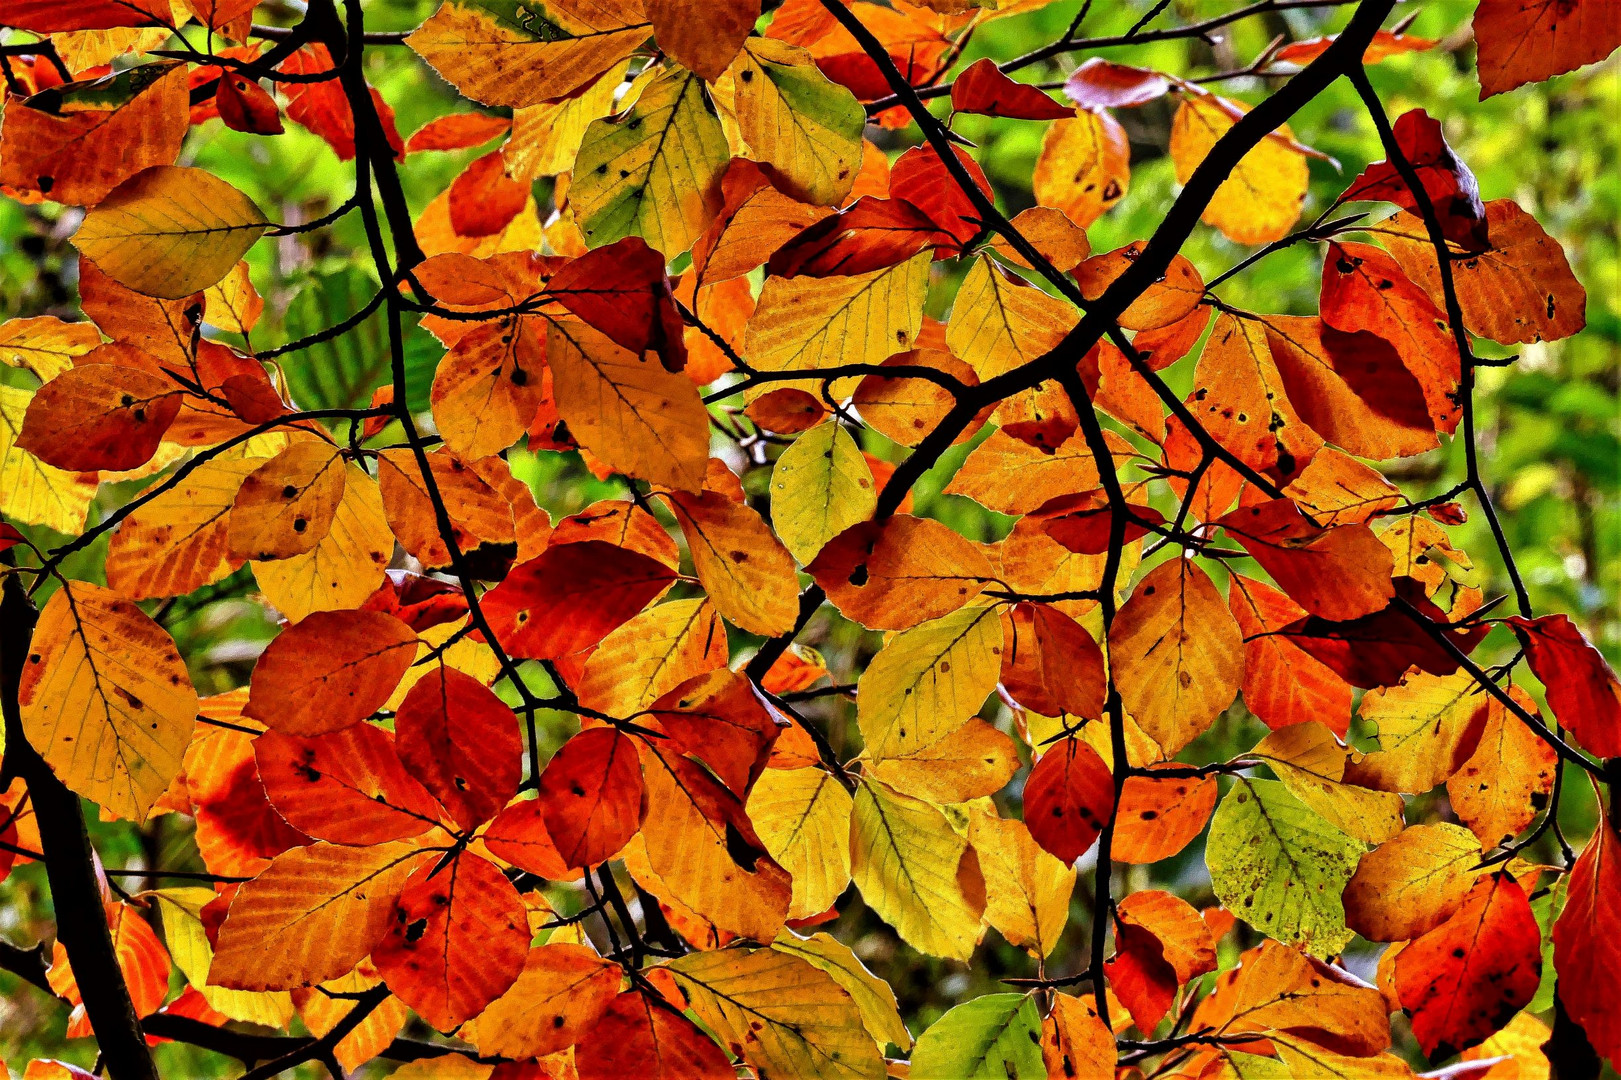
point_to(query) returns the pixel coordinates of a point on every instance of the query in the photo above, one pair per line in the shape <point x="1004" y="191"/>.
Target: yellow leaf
<point x="177" y="542"/>
<point x="1011" y="476"/>
<point x="169" y="231"/>
<point x="1308" y="1059"/>
<point x="744" y="568"/>
<point x="46" y="345"/>
<point x="1177" y="654"/>
<point x="791" y="116"/>
<point x="513" y="55"/>
<point x="321" y="1014"/>
<point x="871" y="994"/>
<point x="820" y="486"/>
<point x="30" y="490"/>
<point x="345" y="567"/>
<point x="973" y="761"/>
<point x="1279" y="989"/>
<point x="1311" y="764"/>
<point x="1084" y="166"/>
<point x="626" y="409"/>
<point x="1428" y="727"/>
<point x="1000" y="322"/>
<point x="183" y="933"/>
<point x="1027" y="890"/>
<point x="915" y="871"/>
<point x="1410" y="884"/>
<point x="653" y="172"/>
<point x="106" y="699"/>
<point x="546" y="138"/>
<point x="784" y="1016"/>
<point x="233" y="303"/>
<point x="312" y="915"/>
<point x="652" y="654"/>
<point x="1261" y="199"/>
<point x="805" y="323"/>
<point x="803" y="818"/>
<point x="927" y="681"/>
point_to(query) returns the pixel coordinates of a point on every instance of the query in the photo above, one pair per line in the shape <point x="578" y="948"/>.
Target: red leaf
<point x="637" y="1037"/>
<point x="1284" y="684"/>
<point x="869" y="234"/>
<point x="1587" y="943"/>
<point x="245" y="106"/>
<point x="591" y="796"/>
<point x="1082" y="522"/>
<point x="1338" y="573"/>
<point x="570" y="597"/>
<point x="59" y="16"/>
<point x="1102" y="84"/>
<point x="922" y="179"/>
<point x="1365" y="289"/>
<point x="1050" y="664"/>
<point x="985" y="90"/>
<point x="1464" y="980"/>
<point x="417" y="600"/>
<point x="1376" y="650"/>
<point x="348" y="787"/>
<point x="1447" y="180"/>
<point x="462" y="742"/>
<point x="1068" y="799"/>
<point x="458" y="131"/>
<point x="484" y="198"/>
<point x="719" y="718"/>
<point x="457" y="940"/>
<point x="622" y="290"/>
<point x="1140" y="975"/>
<point x="321" y="106"/>
<point x="1582" y="689"/>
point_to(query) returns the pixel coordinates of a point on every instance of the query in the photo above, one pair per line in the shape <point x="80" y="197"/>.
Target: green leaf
<point x="1280" y="867"/>
<point x="995" y="1036"/>
<point x="342" y="373"/>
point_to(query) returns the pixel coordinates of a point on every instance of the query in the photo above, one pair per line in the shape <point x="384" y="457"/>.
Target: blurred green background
<point x="1548" y="423"/>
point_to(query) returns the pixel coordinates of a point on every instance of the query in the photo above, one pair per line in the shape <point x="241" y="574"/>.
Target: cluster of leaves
<point x="382" y="832"/>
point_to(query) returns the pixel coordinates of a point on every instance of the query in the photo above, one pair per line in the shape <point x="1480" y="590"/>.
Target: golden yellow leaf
<point x="916" y="872"/>
<point x="321" y="1014"/>
<point x="1075" y="1043"/>
<point x="927" y="681"/>
<point x="502" y="55"/>
<point x="652" y="654"/>
<point x="1084" y="166"/>
<point x="46" y="345"/>
<point x="345" y="567"/>
<point x="803" y="818"/>
<point x="1027" y="890"/>
<point x="169" y="231"/>
<point x="785" y="1016"/>
<point x="106" y="699"/>
<point x="177" y="542"/>
<point x="1279" y="989"/>
<point x="1507" y="779"/>
<point x="794" y="118"/>
<point x="805" y="323"/>
<point x="1177" y="654"/>
<point x="972" y="761"/>
<point x="30" y="490"/>
<point x="546" y="138"/>
<point x="1311" y="763"/>
<point x="1000" y="322"/>
<point x="1410" y="884"/>
<point x="820" y="486"/>
<point x="653" y="172"/>
<point x="233" y="303"/>
<point x="1011" y="476"/>
<point x="1427" y="728"/>
<point x="488" y="387"/>
<point x="743" y="567"/>
<point x="1260" y="201"/>
<point x="180" y="909"/>
<point x="871" y="994"/>
<point x="626" y="409"/>
<point x="312" y="915"/>
<point x="287" y="505"/>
